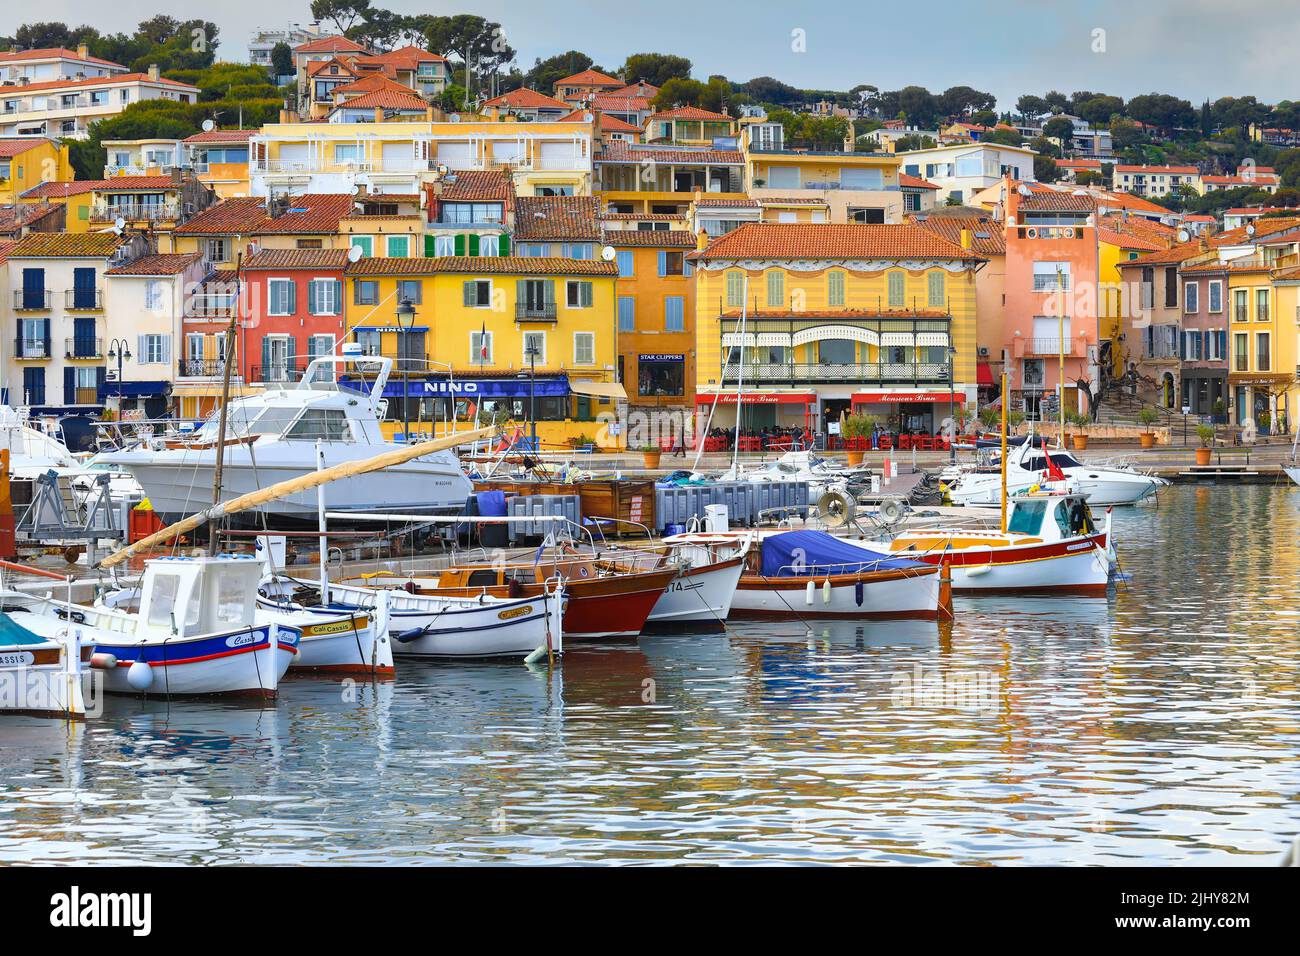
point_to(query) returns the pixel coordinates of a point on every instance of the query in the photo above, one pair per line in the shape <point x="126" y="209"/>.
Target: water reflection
<point x="1156" y="725"/>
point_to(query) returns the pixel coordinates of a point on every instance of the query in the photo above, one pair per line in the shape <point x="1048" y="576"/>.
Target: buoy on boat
<point x="808" y="594"/>
<point x="826" y="591"/>
<point x="140" y="676"/>
<point x="103" y="662"/>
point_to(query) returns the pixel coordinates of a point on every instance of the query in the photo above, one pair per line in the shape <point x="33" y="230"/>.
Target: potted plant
<point x="1262" y="421"/>
<point x="855" y="427"/>
<point x="650" y="455"/>
<point x="1015" y="418"/>
<point x="1206" y="434"/>
<point x="1148" y="416"/>
<point x="991" y="418"/>
<point x="1219" y="412"/>
<point x="1079" y="420"/>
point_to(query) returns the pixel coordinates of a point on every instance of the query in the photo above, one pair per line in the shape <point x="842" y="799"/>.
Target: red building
<point x="293" y="311"/>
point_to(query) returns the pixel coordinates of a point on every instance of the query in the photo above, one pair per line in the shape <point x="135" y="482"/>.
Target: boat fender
<point x="536" y="654"/>
<point x="103" y="662"/>
<point x="405" y="637"/>
<point x="808" y="595"/>
<point x="977" y="571"/>
<point x="826" y="591"/>
<point x="858" y="589"/>
<point x="140" y="676"/>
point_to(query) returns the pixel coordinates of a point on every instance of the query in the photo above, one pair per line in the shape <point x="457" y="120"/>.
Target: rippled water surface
<point x="1159" y="725"/>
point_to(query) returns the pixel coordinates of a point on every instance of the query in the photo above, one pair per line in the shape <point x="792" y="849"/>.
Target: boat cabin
<point x="1050" y="516"/>
<point x="191" y="596"/>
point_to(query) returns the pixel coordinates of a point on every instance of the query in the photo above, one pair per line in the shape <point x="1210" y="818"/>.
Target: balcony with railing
<point x="134" y="212"/>
<point x="278" y="374"/>
<point x="32" y="300"/>
<point x="83" y="300"/>
<point x="79" y="347"/>
<point x="204" y="368"/>
<point x="537" y="312"/>
<point x="1051" y="345"/>
<point x="211" y="305"/>
<point x="30" y="348"/>
<point x="829" y="373"/>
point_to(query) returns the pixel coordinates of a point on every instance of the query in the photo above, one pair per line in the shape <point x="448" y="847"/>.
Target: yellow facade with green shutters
<point x="564" y="309"/>
<point x="41" y="161"/>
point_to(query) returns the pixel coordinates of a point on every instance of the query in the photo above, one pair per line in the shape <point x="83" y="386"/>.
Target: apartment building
<point x="634" y="178"/>
<point x="579" y="88"/>
<point x="263" y="42"/>
<point x="1155" y="180"/>
<point x="65" y="108"/>
<point x="219" y="160"/>
<point x="21" y="67"/>
<point x="962" y="171"/>
<point x="689" y="126"/>
<point x="526" y="105"/>
<point x="293" y="313"/>
<point x="26" y="162"/>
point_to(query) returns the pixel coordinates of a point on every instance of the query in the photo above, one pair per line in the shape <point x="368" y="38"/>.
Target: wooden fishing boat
<point x="1052" y="545"/>
<point x="335" y="640"/>
<point x="812" y="574"/>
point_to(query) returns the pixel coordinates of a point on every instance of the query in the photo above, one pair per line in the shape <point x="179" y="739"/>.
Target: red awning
<point x="759" y="398"/>
<point x="983" y="374"/>
<point x="868" y="398"/>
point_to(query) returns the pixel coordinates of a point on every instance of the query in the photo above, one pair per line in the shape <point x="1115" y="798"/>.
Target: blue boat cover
<point x="816" y="554"/>
<point x="12" y="633"/>
<point x="492" y="504"/>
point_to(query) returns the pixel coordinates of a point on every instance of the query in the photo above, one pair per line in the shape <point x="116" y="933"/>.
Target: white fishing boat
<point x="196" y="632"/>
<point x="821" y="475"/>
<point x="44" y="664"/>
<point x="700" y="595"/>
<point x="334" y="641"/>
<point x="1052" y="545"/>
<point x="271" y="438"/>
<point x="434" y="626"/>
<point x="1027" y="462"/>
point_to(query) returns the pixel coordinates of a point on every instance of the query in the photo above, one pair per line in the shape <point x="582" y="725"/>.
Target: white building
<point x="264" y="41"/>
<point x="964" y="169"/>
<point x="64" y="108"/>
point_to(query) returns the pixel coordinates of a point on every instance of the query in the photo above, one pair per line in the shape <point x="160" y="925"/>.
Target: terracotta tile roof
<point x="55" y="190"/>
<point x="1174" y="254"/>
<point x="1197" y="217"/>
<point x="616" y="103"/>
<point x="557" y="217"/>
<point x="643" y="217"/>
<point x="408" y="57"/>
<point x="1245" y="264"/>
<point x="480" y="185"/>
<point x="1125" y="241"/>
<point x="1156" y="232"/>
<point x="1057" y="202"/>
<point x="608" y="124"/>
<point x="589" y="78"/>
<point x="15" y="216"/>
<point x="708" y="203"/>
<point x="668" y="238"/>
<point x="1079" y="164"/>
<point x="246" y="216"/>
<point x="371" y="83"/>
<point x="383" y="100"/>
<point x="297" y="259"/>
<point x="334" y="63"/>
<point x="5" y="249"/>
<point x="117" y="79"/>
<point x="1262" y="227"/>
<point x="334" y="44"/>
<point x="833" y="241"/>
<point x="482" y="265"/>
<point x="791" y="201"/>
<point x="914" y="182"/>
<point x="1259" y="179"/>
<point x="64" y="245"/>
<point x="526" y="99"/>
<point x="49" y="53"/>
<point x="621" y="152"/>
<point x="221" y="136"/>
<point x="640" y="89"/>
<point x="17" y="145"/>
<point x="987" y="236"/>
<point x="157" y="265"/>
<point x="692" y="113"/>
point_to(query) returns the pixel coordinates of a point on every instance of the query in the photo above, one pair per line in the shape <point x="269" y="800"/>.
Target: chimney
<point x="153" y="71"/>
<point x="83" y="51"/>
<point x="701" y="240"/>
<point x="379" y="114"/>
<point x="965" y="238"/>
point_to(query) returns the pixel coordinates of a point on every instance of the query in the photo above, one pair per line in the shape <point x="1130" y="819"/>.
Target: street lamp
<point x="952" y="412"/>
<point x="405" y="323"/>
<point x="118" y="349"/>
<point x="531" y="352"/>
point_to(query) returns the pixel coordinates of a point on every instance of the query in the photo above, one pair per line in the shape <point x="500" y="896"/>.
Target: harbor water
<point x="1159" y="725"/>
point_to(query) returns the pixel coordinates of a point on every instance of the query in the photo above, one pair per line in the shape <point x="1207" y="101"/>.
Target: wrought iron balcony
<point x="83" y="300"/>
<point x="32" y="300"/>
<point x="28" y="348"/>
<point x="281" y="373"/>
<point x="535" y="313"/>
<point x="827" y="373"/>
<point x="79" y="347"/>
<point x="204" y="368"/>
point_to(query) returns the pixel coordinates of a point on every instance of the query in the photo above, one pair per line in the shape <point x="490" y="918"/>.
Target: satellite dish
<point x="1024" y="190"/>
<point x="587" y="117"/>
<point x="354" y="253"/>
<point x="1250" y="228"/>
<point x="1183" y="235"/>
<point x="208" y="126"/>
<point x="608" y="253"/>
<point x="454" y="118"/>
<point x="118" y="225"/>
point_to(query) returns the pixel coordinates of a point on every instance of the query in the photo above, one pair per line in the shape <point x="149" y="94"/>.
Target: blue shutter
<point x="626" y="313"/>
<point x="266" y="357"/>
<point x="663" y="262"/>
<point x="674" y="314"/>
<point x="69" y="386"/>
<point x="626" y="265"/>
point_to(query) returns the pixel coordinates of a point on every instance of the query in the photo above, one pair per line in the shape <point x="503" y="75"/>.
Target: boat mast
<point x="320" y="521"/>
<point x="740" y="375"/>
<point x="1004" y="452"/>
<point x="1060" y="349"/>
<point x="225" y="404"/>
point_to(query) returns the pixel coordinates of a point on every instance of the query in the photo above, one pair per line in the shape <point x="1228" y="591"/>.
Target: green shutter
<point x="735" y="290"/>
<point x="776" y="289"/>
<point x="469" y="293"/>
<point x="458" y="244"/>
<point x="548" y="292"/>
<point x="835" y="290"/>
<point x="473" y="244"/>
<point x="503" y="247"/>
<point x="934" y="284"/>
<point x="430" y="246"/>
<point x="585" y="295"/>
<point x="897" y="296"/>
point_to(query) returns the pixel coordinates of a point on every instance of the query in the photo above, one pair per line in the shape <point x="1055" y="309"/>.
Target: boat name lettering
<point x="243" y="640"/>
<point x="513" y="612"/>
<point x="332" y="627"/>
<point x="17" y="659"/>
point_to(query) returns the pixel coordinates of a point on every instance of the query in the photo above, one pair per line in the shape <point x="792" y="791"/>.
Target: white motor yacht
<point x="272" y="436"/>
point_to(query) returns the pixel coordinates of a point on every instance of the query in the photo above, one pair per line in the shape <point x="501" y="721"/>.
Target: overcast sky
<point x="1191" y="48"/>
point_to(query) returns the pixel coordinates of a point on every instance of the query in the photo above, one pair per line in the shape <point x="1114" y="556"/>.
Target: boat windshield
<point x="1039" y="462"/>
<point x="1027" y="518"/>
<point x="1073" y="518"/>
<point x="249" y="419"/>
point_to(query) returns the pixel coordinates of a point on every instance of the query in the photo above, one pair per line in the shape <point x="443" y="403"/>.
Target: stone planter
<point x="853" y="458"/>
<point x="1080" y="441"/>
<point x="1148" y="439"/>
<point x="651" y="458"/>
<point x="1203" y="456"/>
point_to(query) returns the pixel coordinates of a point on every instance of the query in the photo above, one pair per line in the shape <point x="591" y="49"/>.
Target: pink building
<point x="1051" y="298"/>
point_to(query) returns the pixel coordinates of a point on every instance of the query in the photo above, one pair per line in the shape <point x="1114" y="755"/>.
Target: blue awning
<point x="133" y="389"/>
<point x="544" y="386"/>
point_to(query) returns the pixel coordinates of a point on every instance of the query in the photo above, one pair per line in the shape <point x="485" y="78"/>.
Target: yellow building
<point x="818" y="320"/>
<point x="1261" y="340"/>
<point x="94" y="205"/>
<point x="689" y="126"/>
<point x="642" y="179"/>
<point x="28" y="161"/>
<point x="656" y="312"/>
<point x="492" y="336"/>
<point x="1285" y="362"/>
<point x="219" y="158"/>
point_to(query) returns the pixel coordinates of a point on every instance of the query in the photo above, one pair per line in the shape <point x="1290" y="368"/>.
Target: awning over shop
<point x="132" y="389"/>
<point x="851" y="332"/>
<point x="870" y="398"/>
<point x="983" y="374"/>
<point x="213" y="391"/>
<point x="758" y="398"/>
<point x="543" y="386"/>
<point x="599" y="389"/>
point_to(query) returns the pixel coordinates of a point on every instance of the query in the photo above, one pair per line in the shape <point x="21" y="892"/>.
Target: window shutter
<point x="69" y="386"/>
<point x="584" y="294"/>
<point x="521" y="293"/>
<point x="663" y="262"/>
<point x="166" y="349"/>
<point x="139" y="347"/>
<point x="291" y="308"/>
<point x="503" y="245"/>
<point x="101" y="374"/>
<point x="473" y="244"/>
<point x="776" y="289"/>
<point x="266" y="356"/>
<point x="45" y="334"/>
<point x="430" y="246"/>
<point x="548" y="292"/>
<point x="897" y="295"/>
<point x="458" y="244"/>
<point x="469" y="293"/>
<point x="935" y="288"/>
<point x="735" y="290"/>
<point x="291" y="351"/>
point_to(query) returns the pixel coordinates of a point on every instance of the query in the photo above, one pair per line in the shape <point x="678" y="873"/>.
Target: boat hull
<point x="1073" y="566"/>
<point x="238" y="664"/>
<point x="424" y="626"/>
<point x="333" y="643"/>
<point x="35" y="680"/>
<point x="911" y="593"/>
<point x="699" y="597"/>
<point x="1116" y="489"/>
<point x="1293" y="472"/>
